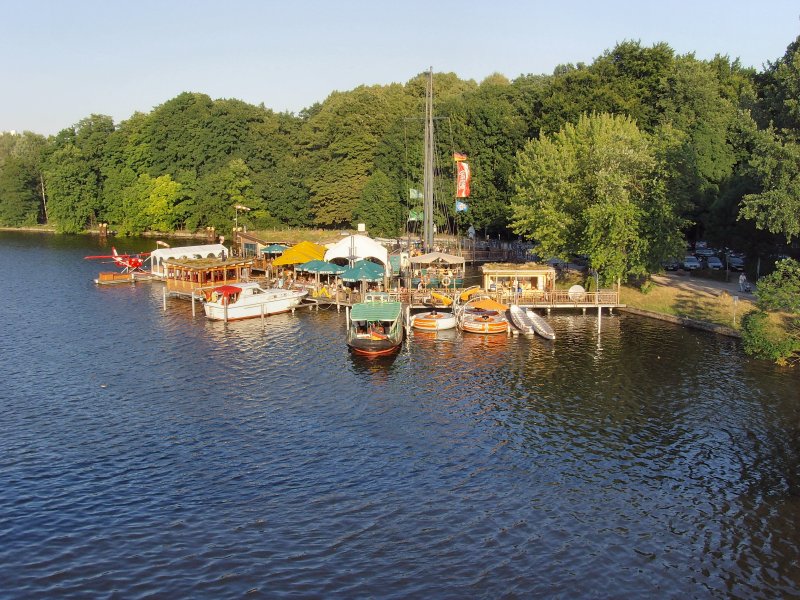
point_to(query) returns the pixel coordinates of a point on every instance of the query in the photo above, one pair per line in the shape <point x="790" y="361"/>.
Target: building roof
<point x="300" y="253"/>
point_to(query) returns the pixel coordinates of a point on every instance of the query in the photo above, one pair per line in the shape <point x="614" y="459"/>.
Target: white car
<point x="690" y="263"/>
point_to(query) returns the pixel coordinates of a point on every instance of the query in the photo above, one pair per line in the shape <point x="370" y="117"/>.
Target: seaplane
<point x="128" y="262"/>
<point x="131" y="265"/>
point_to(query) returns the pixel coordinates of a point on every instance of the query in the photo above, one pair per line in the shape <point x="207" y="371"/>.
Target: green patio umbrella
<point x="321" y="267"/>
<point x="274" y="249"/>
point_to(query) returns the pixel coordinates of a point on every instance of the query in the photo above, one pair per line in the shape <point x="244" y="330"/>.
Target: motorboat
<point x="249" y="300"/>
<point x="433" y="320"/>
<point x="483" y="315"/>
<point x="375" y="326"/>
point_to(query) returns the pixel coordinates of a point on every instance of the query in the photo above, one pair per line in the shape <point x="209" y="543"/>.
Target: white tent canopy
<point x="357" y="247"/>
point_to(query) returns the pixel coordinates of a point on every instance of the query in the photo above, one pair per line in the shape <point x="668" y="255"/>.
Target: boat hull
<point x="540" y="325"/>
<point x="251" y="307"/>
<point x="372" y="347"/>
<point x="430" y="321"/>
<point x="485" y="327"/>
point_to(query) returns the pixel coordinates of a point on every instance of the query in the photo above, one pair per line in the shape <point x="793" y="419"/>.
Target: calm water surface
<point x="145" y="453"/>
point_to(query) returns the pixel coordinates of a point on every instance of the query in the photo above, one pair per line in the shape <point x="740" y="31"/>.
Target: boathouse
<point x="186" y="276"/>
<point x="160" y="256"/>
<point x="526" y="278"/>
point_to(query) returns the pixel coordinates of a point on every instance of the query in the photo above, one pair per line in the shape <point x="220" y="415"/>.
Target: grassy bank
<point x="714" y="306"/>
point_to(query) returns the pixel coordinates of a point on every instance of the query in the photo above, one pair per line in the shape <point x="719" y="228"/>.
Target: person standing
<point x="742" y="282"/>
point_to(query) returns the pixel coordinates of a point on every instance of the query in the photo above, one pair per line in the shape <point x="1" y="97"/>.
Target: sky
<point x="63" y="60"/>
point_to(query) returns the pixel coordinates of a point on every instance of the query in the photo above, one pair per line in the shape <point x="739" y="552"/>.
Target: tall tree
<point x="596" y="188"/>
<point x="777" y="207"/>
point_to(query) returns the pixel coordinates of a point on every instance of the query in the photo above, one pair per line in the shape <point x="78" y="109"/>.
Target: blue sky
<point x="63" y="60"/>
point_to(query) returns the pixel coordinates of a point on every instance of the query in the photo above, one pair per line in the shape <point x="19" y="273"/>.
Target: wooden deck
<point x="558" y="299"/>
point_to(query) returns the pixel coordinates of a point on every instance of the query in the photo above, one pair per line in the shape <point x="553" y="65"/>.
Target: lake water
<point x="146" y="453"/>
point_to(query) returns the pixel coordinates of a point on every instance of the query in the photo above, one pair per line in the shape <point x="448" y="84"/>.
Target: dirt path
<point x="683" y="280"/>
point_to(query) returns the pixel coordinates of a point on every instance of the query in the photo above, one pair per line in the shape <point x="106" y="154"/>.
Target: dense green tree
<point x="780" y="290"/>
<point x="342" y="139"/>
<point x="777" y="207"/>
<point x="72" y="189"/>
<point x="596" y="188"/>
<point x="73" y="172"/>
<point x="22" y="199"/>
<point x="379" y="207"/>
<point x="779" y="92"/>
<point x="19" y="202"/>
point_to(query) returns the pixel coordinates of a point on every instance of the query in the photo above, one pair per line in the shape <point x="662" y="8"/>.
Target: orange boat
<point x="433" y="321"/>
<point x="483" y="315"/>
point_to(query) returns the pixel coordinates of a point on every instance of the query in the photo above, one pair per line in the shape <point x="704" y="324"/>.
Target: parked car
<point x="714" y="263"/>
<point x="703" y="252"/>
<point x="690" y="263"/>
<point x="672" y="264"/>
<point x="735" y="263"/>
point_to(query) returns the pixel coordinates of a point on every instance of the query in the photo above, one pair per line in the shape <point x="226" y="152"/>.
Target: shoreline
<point x="684" y="321"/>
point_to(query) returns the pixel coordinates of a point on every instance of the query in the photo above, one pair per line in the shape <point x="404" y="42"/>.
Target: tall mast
<point x="427" y="182"/>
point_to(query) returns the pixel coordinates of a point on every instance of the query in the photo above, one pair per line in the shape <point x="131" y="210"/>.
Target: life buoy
<point x="446" y="282"/>
<point x="214" y="296"/>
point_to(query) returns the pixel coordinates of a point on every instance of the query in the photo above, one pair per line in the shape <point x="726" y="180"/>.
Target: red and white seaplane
<point x="131" y="265"/>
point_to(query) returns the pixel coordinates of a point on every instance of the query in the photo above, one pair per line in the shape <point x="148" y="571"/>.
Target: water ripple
<point x="149" y="453"/>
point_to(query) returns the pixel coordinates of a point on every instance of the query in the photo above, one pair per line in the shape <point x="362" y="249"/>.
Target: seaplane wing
<point x="126" y="261"/>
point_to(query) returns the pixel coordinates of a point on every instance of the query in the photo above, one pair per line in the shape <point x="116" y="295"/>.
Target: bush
<point x="771" y="337"/>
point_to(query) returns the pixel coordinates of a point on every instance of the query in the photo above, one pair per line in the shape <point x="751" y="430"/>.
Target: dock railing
<point x="534" y="298"/>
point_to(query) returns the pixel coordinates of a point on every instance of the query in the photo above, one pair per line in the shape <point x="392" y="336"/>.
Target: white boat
<point x="433" y="320"/>
<point x="521" y="320"/>
<point x="540" y="325"/>
<point x="249" y="300"/>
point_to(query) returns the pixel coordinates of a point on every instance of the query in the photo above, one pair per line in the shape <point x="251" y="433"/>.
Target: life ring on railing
<point x="446" y="281"/>
<point x="214" y="296"/>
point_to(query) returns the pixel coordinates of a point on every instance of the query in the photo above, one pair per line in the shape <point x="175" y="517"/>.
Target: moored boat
<point x="375" y="326"/>
<point x="540" y="325"/>
<point x="521" y="320"/>
<point x="249" y="300"/>
<point x="483" y="315"/>
<point x="433" y="320"/>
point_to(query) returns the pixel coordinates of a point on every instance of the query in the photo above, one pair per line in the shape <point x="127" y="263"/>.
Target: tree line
<point x="621" y="159"/>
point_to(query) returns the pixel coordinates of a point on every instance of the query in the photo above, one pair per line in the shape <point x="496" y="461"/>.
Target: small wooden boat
<point x="540" y="325"/>
<point x="483" y="315"/>
<point x="249" y="300"/>
<point x="375" y="326"/>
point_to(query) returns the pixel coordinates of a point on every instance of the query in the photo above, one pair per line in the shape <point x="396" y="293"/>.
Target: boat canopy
<point x="376" y="311"/>
<point x="432" y="257"/>
<point x="488" y="304"/>
<point x="300" y="253"/>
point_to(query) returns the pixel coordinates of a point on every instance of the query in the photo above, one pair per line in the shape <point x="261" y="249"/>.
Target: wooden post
<point x="599" y="317"/>
<point x="164" y="300"/>
<point x="262" y="313"/>
<point x="193" y="313"/>
<point x="225" y="304"/>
